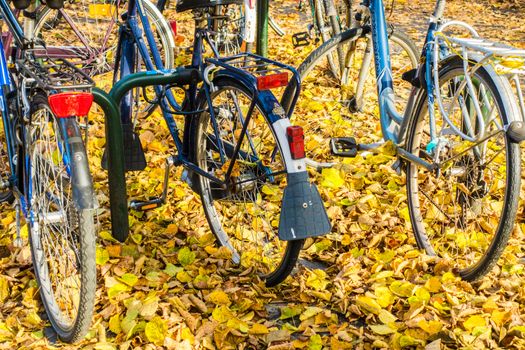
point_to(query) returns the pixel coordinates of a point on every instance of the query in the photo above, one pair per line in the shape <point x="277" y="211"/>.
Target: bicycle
<point x="48" y="181"/>
<point x="458" y="146"/>
<point x="85" y="32"/>
<point x="239" y="151"/>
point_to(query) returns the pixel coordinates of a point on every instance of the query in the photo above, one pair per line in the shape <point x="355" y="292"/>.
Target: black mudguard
<point x="302" y="213"/>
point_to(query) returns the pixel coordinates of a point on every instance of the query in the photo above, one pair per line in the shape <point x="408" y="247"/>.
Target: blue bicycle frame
<point x="391" y="120"/>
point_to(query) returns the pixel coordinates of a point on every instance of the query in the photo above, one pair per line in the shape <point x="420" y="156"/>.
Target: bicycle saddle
<point x="23" y="4"/>
<point x="184" y="5"/>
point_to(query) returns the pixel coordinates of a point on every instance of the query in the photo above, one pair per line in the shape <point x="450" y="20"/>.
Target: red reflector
<point x="173" y="25"/>
<point x="71" y="104"/>
<point x="296" y="141"/>
<point x="272" y="81"/>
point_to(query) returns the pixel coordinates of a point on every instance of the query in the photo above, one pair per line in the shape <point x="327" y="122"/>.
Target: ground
<point x="366" y="285"/>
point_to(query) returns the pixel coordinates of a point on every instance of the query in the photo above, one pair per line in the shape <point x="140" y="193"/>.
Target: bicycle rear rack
<point x="255" y="67"/>
<point x="54" y="74"/>
<point x="505" y="59"/>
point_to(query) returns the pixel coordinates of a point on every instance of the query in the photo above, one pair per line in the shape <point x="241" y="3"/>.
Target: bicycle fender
<point x="83" y="195"/>
<point x="302" y="211"/>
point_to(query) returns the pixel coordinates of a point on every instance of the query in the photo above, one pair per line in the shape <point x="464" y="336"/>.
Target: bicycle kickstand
<point x="155" y="202"/>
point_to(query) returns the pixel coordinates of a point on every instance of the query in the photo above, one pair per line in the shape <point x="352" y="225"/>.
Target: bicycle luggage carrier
<point x="55" y="74"/>
<point x="257" y="67"/>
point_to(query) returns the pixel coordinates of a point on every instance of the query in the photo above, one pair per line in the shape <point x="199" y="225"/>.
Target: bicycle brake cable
<point x="391" y="9"/>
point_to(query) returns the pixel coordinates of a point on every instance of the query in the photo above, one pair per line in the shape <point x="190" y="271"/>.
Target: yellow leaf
<point x="332" y="178"/>
<point x="186" y="334"/>
<point x="218" y="297"/>
<point x="500" y="317"/>
<point x="317" y="280"/>
<point x="129" y="279"/>
<point x="431" y="327"/>
<point x="237" y="324"/>
<point x="402" y="289"/>
<point x="184" y="277"/>
<point x="116" y="289"/>
<point x="382" y="329"/>
<point x="310" y="312"/>
<point x="186" y="256"/>
<point x="156" y="330"/>
<point x="368" y="304"/>
<point x="384" y="296"/>
<point x="406" y="340"/>
<point x="4" y="289"/>
<point x="474" y="321"/>
<point x="221" y="314"/>
<point x="433" y="285"/>
<point x="386" y="317"/>
<point x="258" y="328"/>
<point x="101" y="256"/>
<point x="114" y="324"/>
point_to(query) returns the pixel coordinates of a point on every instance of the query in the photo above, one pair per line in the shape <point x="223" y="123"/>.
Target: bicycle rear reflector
<point x="173" y="25"/>
<point x="71" y="104"/>
<point x="296" y="141"/>
<point x="272" y="81"/>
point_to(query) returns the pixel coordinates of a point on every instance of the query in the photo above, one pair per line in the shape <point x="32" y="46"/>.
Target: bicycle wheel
<point x="86" y="33"/>
<point x="245" y="216"/>
<point x="325" y="101"/>
<point x="464" y="211"/>
<point x="62" y="231"/>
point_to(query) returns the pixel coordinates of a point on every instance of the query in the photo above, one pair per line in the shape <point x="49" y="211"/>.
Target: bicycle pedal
<point x="151" y="204"/>
<point x="300" y="39"/>
<point x="344" y="146"/>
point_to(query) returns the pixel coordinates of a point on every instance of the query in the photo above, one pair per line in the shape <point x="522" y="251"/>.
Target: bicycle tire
<point x="101" y="33"/>
<point x="477" y="252"/>
<point x="202" y="137"/>
<point x="68" y="189"/>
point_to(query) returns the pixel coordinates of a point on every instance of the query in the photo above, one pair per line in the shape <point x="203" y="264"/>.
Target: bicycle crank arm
<point x="302" y="212"/>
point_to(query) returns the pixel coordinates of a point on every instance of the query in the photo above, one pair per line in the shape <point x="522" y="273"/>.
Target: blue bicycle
<point x="238" y="148"/>
<point x="457" y="140"/>
<point x="46" y="174"/>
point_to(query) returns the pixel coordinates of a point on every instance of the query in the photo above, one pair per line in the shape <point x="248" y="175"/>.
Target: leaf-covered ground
<point x="363" y="286"/>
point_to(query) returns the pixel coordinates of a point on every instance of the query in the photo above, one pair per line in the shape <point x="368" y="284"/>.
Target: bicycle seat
<point x="23" y="4"/>
<point x="184" y="5"/>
